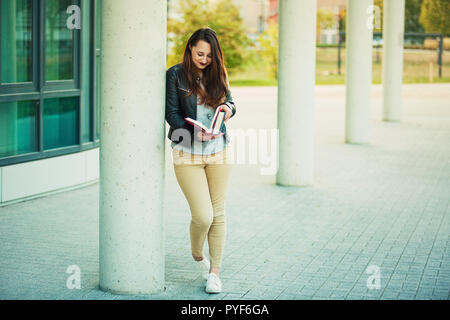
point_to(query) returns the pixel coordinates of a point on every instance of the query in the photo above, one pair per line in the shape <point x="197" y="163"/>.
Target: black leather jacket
<point x="178" y="107"/>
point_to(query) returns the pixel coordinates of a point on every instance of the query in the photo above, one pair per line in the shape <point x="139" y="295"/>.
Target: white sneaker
<point x="203" y="267"/>
<point x="213" y="285"/>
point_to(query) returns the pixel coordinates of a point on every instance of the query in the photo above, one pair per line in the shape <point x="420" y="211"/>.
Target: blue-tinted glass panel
<point x="59" y="41"/>
<point x="97" y="68"/>
<point x="16" y="41"/>
<point x="61" y="122"/>
<point x="18" y="132"/>
<point x="86" y="52"/>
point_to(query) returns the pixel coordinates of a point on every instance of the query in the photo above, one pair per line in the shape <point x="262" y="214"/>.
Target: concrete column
<point x="393" y="31"/>
<point x="359" y="71"/>
<point x="296" y="81"/>
<point x="132" y="146"/>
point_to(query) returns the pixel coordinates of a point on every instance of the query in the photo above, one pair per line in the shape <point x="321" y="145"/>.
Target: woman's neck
<point x="198" y="76"/>
<point x="197" y="72"/>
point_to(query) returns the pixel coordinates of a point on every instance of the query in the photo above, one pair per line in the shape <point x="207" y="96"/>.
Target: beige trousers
<point x="203" y="180"/>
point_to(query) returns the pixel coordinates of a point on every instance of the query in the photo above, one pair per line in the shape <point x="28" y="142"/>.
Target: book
<point x="217" y="123"/>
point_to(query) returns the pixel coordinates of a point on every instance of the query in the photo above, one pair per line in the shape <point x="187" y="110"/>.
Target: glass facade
<point x="87" y="56"/>
<point x="49" y="71"/>
<point x="59" y="41"/>
<point x="18" y="128"/>
<point x="60" y="122"/>
<point x="97" y="66"/>
<point x="16" y="44"/>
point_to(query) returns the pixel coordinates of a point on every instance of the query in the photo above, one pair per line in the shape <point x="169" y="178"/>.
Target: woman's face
<point x="201" y="54"/>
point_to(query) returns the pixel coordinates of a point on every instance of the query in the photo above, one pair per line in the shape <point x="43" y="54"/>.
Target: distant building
<point x="255" y="15"/>
<point x="273" y="11"/>
<point x="334" y="6"/>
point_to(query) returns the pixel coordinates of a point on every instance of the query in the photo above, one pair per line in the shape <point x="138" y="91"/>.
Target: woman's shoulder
<point x="175" y="68"/>
<point x="176" y="72"/>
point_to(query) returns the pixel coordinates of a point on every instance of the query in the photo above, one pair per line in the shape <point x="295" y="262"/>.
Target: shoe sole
<point x="213" y="291"/>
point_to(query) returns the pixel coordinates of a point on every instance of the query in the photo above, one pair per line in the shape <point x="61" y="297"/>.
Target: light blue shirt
<point x="204" y="115"/>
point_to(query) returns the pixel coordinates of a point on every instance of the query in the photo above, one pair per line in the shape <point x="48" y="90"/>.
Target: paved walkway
<point x="385" y="205"/>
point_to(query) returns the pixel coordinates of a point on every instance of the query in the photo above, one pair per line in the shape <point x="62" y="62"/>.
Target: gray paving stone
<point x="384" y="204"/>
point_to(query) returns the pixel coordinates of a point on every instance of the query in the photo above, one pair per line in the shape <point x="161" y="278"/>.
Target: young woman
<point x="195" y="88"/>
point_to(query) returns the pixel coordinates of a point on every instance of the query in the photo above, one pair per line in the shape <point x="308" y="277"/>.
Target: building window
<point x="18" y="128"/>
<point x="60" y="122"/>
<point x="16" y="41"/>
<point x="48" y="71"/>
<point x="59" y="41"/>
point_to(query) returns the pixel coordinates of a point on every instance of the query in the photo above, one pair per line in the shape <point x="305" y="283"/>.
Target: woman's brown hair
<point x="215" y="76"/>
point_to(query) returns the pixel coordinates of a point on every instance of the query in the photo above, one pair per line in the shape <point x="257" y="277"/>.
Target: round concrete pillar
<point x="132" y="146"/>
<point x="296" y="81"/>
<point x="359" y="71"/>
<point x="393" y="33"/>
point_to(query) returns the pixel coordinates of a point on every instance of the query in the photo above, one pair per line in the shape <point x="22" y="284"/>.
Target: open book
<point x="216" y="123"/>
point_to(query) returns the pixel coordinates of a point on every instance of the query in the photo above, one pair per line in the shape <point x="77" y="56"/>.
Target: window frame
<point x="69" y="84"/>
<point x="26" y="87"/>
<point x="39" y="89"/>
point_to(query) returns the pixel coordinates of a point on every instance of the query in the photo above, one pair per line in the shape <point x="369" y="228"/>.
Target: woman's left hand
<point x="227" y="110"/>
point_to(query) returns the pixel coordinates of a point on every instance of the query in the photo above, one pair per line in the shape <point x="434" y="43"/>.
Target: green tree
<point x="223" y="17"/>
<point x="412" y="13"/>
<point x="412" y="16"/>
<point x="379" y="4"/>
<point x="268" y="42"/>
<point x="344" y="13"/>
<point x="435" y="16"/>
<point x="342" y="20"/>
<point x="325" y="20"/>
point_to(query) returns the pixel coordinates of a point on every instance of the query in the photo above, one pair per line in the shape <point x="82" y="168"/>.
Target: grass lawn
<point x="416" y="68"/>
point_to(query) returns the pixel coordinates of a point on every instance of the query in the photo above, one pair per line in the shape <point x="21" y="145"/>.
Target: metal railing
<point x="379" y="35"/>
